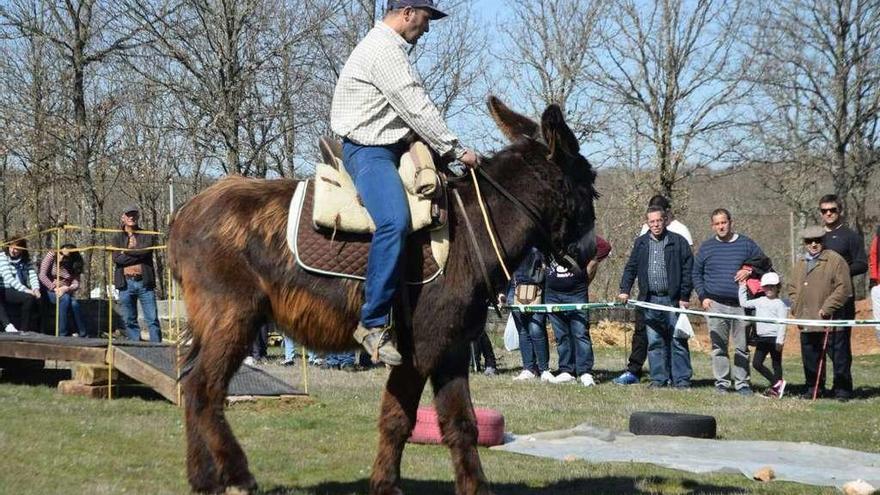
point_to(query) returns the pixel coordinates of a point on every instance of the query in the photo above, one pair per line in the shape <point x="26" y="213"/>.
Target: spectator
<point x="532" y="329"/>
<point x="661" y="260"/>
<point x="718" y="269"/>
<point x="134" y="276"/>
<point x="568" y="285"/>
<point x="771" y="336"/>
<point x="289" y="351"/>
<point x="19" y="284"/>
<point x="639" y="352"/>
<point x="848" y="244"/>
<point x="482" y="346"/>
<point x="874" y="275"/>
<point x="340" y="360"/>
<point x="259" y="347"/>
<point x="61" y="294"/>
<point x="820" y="285"/>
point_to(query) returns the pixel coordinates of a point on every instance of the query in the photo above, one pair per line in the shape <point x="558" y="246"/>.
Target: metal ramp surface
<point x="148" y="363"/>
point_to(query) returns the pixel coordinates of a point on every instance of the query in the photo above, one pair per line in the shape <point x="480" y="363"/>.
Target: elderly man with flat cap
<point x="379" y="104"/>
<point x="135" y="277"/>
<point x="819" y="285"/>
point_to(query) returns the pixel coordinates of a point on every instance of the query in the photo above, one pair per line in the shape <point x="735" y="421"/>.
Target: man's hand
<point x="623" y="298"/>
<point x="742" y="275"/>
<point x="823" y="314"/>
<point x="707" y="303"/>
<point x="60" y="291"/>
<point x="35" y="293"/>
<point x="779" y="347"/>
<point x="470" y="158"/>
<point x="684" y="304"/>
<point x="502" y="298"/>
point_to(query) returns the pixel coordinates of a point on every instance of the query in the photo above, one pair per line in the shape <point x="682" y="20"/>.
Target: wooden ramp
<point x="150" y="364"/>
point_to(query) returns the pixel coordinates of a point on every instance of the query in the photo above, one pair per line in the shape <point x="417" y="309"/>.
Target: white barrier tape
<point x="557" y="308"/>
<point x="785" y="321"/>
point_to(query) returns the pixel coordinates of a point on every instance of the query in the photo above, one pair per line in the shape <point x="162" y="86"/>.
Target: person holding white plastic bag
<point x="771" y="336"/>
<point x="661" y="261"/>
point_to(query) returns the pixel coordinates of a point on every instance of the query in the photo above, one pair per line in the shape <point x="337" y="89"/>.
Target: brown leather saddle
<point x="333" y="252"/>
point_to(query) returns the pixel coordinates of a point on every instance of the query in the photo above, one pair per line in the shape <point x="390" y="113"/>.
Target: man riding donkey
<point x="378" y="105"/>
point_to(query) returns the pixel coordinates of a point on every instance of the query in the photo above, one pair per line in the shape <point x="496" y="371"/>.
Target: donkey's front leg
<point x="398" y="417"/>
<point x="452" y="399"/>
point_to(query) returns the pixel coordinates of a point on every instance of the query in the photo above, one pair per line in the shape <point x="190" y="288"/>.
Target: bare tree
<point x="547" y="53"/>
<point x="215" y="56"/>
<point x="818" y="69"/>
<point x="672" y="71"/>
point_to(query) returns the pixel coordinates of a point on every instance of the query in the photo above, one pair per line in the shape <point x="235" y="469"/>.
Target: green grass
<point x="56" y="444"/>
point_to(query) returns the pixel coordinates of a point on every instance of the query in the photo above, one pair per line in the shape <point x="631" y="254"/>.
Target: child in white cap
<point x="771" y="336"/>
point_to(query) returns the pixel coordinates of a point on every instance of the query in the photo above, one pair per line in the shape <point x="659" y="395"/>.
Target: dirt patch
<point x="607" y="333"/>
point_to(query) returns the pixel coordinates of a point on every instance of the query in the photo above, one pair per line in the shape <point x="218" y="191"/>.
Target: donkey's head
<point x="568" y="206"/>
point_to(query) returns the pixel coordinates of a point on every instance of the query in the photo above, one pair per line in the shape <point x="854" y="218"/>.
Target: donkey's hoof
<point x="244" y="488"/>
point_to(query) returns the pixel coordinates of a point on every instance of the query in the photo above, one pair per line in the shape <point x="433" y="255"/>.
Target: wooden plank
<point x="146" y="374"/>
<point x="72" y="387"/>
<point x="58" y="352"/>
<point x="90" y="374"/>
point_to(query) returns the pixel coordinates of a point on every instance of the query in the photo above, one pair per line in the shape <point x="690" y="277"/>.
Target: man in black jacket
<point x="662" y="262"/>
<point x="135" y="277"/>
<point x="850" y="245"/>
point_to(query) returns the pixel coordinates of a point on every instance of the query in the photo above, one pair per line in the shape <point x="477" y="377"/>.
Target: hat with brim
<point x="131" y="209"/>
<point x="769" y="278"/>
<point x="428" y="5"/>
<point x="814" y="232"/>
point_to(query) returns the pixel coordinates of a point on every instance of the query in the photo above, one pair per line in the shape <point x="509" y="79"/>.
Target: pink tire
<point x="490" y="427"/>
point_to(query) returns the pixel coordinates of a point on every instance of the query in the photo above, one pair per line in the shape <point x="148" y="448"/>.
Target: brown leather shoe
<point x="377" y="342"/>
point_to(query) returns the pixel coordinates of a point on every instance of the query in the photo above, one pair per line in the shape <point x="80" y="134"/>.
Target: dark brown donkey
<point x="228" y="250"/>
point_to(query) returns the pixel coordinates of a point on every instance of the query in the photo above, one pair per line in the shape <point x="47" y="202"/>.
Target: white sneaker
<point x="587" y="380"/>
<point x="250" y="361"/>
<point x="547" y="376"/>
<point x="563" y="377"/>
<point x="10" y="328"/>
<point x="524" y="375"/>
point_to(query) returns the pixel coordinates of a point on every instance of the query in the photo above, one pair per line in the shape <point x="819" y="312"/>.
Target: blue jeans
<point x="339" y="359"/>
<point x="289" y="348"/>
<point x="128" y="298"/>
<point x="374" y="171"/>
<point x="533" y="345"/>
<point x="572" y="331"/>
<point x="68" y="305"/>
<point x="669" y="359"/>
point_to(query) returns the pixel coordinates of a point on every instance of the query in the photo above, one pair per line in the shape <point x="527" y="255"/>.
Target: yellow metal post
<point x="305" y="366"/>
<point x="57" y="281"/>
<point x="109" y="331"/>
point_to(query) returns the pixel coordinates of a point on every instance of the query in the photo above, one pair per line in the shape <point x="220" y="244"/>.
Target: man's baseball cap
<point x="132" y="208"/>
<point x="418" y="4"/>
<point x="770" y="278"/>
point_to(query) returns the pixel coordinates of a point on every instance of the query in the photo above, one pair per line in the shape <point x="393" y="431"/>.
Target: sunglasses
<point x="817" y="240"/>
<point x="828" y="210"/>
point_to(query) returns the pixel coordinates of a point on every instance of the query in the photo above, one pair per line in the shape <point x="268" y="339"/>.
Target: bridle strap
<point x="530" y="212"/>
<point x="476" y="249"/>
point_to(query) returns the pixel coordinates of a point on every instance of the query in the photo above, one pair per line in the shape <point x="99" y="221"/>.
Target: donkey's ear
<point x="557" y="134"/>
<point x="513" y="125"/>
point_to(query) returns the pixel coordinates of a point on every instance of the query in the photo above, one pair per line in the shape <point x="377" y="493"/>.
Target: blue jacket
<point x="679" y="261"/>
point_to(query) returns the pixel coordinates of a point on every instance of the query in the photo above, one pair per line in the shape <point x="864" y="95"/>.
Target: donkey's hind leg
<point x="397" y="419"/>
<point x="452" y="399"/>
<point x="224" y="340"/>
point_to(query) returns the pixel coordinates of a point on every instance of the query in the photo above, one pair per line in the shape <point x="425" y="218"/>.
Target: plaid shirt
<point x="379" y="98"/>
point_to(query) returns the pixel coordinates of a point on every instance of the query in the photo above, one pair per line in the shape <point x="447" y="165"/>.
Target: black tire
<point x="672" y="424"/>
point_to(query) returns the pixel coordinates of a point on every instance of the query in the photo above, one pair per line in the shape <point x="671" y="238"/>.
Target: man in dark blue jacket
<point x="662" y="262"/>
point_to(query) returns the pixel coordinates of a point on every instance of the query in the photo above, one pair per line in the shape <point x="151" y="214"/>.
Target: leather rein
<point x="529" y="211"/>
